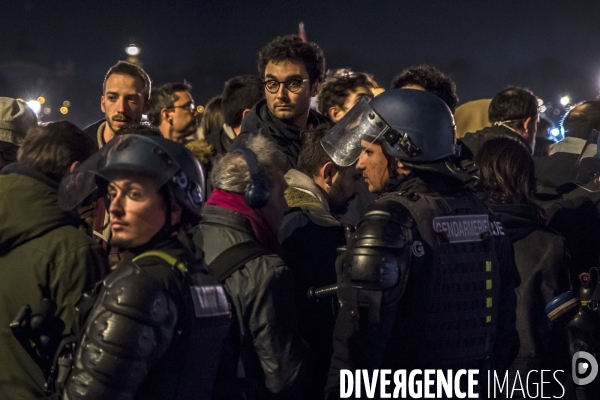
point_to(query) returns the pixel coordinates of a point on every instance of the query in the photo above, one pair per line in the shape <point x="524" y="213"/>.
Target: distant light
<point x="132" y="50"/>
<point x="64" y="110"/>
<point x="556" y="111"/>
<point x="565" y="100"/>
<point x="35" y="106"/>
<point x="542" y="108"/>
<point x="540" y="102"/>
<point x="41" y="100"/>
<point x="200" y="109"/>
<point x="555" y="132"/>
<point x="67" y="103"/>
<point x="47" y="110"/>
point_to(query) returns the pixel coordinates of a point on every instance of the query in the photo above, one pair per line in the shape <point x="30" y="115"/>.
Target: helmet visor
<point x="587" y="170"/>
<point x="360" y="127"/>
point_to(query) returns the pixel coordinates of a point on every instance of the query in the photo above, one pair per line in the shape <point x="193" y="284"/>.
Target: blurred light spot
<point x="67" y="103"/>
<point x="540" y="102"/>
<point x="64" y="110"/>
<point x="200" y="109"/>
<point x="132" y="50"/>
<point x="556" y="111"/>
<point x="35" y="106"/>
<point x="555" y="131"/>
<point x="565" y="100"/>
<point x="542" y="108"/>
<point x="47" y="110"/>
<point x="41" y="100"/>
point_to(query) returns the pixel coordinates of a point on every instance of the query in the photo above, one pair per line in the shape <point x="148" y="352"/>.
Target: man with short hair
<point x="173" y="112"/>
<point x="16" y="118"/>
<point x="341" y="90"/>
<point x="125" y="97"/>
<point x="514" y="114"/>
<point x="239" y="95"/>
<point x="160" y="323"/>
<point x="402" y="280"/>
<point x="318" y="194"/>
<point x="43" y="253"/>
<point x="292" y="71"/>
<point x="430" y="79"/>
<point x="241" y="220"/>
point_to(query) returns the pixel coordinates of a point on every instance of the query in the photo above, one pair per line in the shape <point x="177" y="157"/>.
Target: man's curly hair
<point x="432" y="80"/>
<point x="338" y="85"/>
<point x="292" y="48"/>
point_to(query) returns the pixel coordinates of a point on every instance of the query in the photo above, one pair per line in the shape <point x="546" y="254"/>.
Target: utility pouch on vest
<point x="453" y="290"/>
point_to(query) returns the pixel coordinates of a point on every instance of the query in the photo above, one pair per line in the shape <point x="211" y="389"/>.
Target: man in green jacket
<point x="43" y="254"/>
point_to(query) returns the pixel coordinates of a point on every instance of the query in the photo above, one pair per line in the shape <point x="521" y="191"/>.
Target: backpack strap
<point x="169" y="259"/>
<point x="234" y="258"/>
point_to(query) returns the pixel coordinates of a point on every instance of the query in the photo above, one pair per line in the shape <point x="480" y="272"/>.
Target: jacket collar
<point x="17" y="168"/>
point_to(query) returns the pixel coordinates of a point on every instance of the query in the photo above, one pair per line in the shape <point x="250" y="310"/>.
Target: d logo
<point x="582" y="364"/>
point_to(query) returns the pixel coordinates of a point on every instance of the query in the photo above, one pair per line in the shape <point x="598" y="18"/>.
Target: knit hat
<point x="15" y="120"/>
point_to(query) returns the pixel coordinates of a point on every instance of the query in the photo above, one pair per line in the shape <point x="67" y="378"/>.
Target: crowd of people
<point x="311" y="223"/>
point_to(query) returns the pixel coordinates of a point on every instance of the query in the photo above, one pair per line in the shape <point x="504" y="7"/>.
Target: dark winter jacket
<point x="475" y="140"/>
<point x="310" y="236"/>
<point x="219" y="140"/>
<point x="287" y="137"/>
<point x="572" y="211"/>
<point x="42" y="254"/>
<point x="262" y="292"/>
<point x="542" y="261"/>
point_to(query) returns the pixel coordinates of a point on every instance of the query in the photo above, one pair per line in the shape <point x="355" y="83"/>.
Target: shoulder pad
<point x="129" y="291"/>
<point x="384" y="225"/>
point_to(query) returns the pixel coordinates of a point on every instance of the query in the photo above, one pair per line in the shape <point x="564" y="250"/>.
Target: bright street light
<point x="132" y="50"/>
<point x="565" y="100"/>
<point x="35" y="106"/>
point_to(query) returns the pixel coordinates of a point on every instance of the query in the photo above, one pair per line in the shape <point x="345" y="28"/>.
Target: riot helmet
<point x="166" y="161"/>
<point x="413" y="126"/>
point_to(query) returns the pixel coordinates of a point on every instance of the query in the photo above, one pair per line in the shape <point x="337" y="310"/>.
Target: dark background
<point x="61" y="49"/>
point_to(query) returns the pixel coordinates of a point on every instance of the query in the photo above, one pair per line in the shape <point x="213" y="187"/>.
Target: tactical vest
<point x="448" y="311"/>
<point x="190" y="367"/>
<point x="202" y="339"/>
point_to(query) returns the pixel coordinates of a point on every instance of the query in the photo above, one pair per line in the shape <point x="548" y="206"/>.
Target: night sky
<point x="61" y="49"/>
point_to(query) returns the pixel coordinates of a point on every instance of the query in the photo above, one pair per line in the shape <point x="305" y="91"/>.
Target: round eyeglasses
<point x="293" y="85"/>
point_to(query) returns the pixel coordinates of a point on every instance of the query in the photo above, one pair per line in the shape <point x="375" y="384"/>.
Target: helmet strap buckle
<point x="406" y="144"/>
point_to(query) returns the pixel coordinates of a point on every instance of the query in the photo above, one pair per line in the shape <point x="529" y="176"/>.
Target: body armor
<point x="434" y="266"/>
<point x="157" y="331"/>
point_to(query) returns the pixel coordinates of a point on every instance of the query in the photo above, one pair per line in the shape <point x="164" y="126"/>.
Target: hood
<point x="28" y="207"/>
<point x="472" y="116"/>
<point x="301" y="182"/>
<point x="518" y="220"/>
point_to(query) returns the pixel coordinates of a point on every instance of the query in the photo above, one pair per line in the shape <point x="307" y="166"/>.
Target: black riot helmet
<point x="413" y="126"/>
<point x="168" y="162"/>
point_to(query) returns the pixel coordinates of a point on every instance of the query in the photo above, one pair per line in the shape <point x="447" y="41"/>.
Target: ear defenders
<point x="257" y="195"/>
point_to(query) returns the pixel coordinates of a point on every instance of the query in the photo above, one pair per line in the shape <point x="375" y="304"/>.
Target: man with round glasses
<point x="292" y="71"/>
